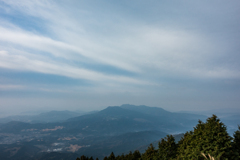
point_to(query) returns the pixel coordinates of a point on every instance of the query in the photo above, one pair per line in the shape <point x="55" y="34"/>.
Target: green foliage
<point x="150" y="153"/>
<point x="111" y="157"/>
<point x="208" y="140"/>
<point x="136" y="155"/>
<point x="129" y="156"/>
<point x="122" y="157"/>
<point x="236" y="142"/>
<point x="83" y="158"/>
<point x="167" y="148"/>
<point x="105" y="158"/>
<point x="183" y="144"/>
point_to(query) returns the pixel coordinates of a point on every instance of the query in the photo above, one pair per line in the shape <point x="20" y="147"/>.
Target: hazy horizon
<point x="87" y="55"/>
<point x="208" y="112"/>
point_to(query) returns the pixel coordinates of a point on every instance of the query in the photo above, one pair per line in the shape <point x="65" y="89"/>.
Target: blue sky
<point x="87" y="55"/>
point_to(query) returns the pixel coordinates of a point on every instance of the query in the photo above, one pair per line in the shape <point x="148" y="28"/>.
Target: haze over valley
<point x="117" y="129"/>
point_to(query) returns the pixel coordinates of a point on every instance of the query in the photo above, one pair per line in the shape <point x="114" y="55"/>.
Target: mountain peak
<point x="147" y="110"/>
<point x="113" y="110"/>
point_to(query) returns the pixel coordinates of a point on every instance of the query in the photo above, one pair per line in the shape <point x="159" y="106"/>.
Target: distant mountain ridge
<point x="115" y="128"/>
<point x="118" y="120"/>
<point x="139" y="118"/>
<point x="45" y="117"/>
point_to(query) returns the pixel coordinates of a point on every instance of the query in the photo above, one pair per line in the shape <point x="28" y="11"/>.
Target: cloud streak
<point x="118" y="49"/>
<point x="24" y="63"/>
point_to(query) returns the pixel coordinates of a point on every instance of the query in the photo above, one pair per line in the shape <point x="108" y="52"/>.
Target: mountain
<point x="139" y="118"/>
<point x="46" y="117"/>
<point x="113" y="120"/>
<point x="185" y="120"/>
<point x="117" y="128"/>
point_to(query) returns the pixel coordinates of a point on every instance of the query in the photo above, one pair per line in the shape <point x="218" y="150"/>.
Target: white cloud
<point x="20" y="62"/>
<point x="164" y="46"/>
<point x="11" y="87"/>
<point x="148" y="50"/>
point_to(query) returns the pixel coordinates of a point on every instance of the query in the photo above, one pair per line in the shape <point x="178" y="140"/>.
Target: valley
<point x="118" y="128"/>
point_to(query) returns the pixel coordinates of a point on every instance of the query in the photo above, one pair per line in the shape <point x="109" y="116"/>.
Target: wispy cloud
<point x="11" y="87"/>
<point x="20" y="62"/>
<point x="141" y="46"/>
<point x="117" y="48"/>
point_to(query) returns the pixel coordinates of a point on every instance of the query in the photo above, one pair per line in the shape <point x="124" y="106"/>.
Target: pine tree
<point x="82" y="158"/>
<point x="111" y="157"/>
<point x="208" y="138"/>
<point x="122" y="157"/>
<point x="236" y="142"/>
<point x="105" y="158"/>
<point x="167" y="148"/>
<point x="136" y="155"/>
<point x="91" y="158"/>
<point x="183" y="144"/>
<point x="150" y="153"/>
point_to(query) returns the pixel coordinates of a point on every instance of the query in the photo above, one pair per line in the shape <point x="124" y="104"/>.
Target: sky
<point x="87" y="55"/>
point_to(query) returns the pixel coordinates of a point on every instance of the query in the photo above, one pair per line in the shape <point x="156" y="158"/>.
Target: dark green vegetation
<point x="114" y="129"/>
<point x="210" y="139"/>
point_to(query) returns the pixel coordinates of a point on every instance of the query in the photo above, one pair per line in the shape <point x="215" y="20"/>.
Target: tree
<point x="91" y="158"/>
<point x="111" y="157"/>
<point x="122" y="157"/>
<point x="208" y="138"/>
<point x="183" y="144"/>
<point x="236" y="142"/>
<point x="82" y="158"/>
<point x="150" y="153"/>
<point x="105" y="158"/>
<point x="167" y="148"/>
<point x="136" y="155"/>
<point x="129" y="156"/>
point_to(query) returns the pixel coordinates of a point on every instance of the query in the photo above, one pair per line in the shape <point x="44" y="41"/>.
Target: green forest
<point x="209" y="140"/>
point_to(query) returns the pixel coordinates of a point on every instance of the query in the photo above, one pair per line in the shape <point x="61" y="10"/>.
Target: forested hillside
<point x="209" y="140"/>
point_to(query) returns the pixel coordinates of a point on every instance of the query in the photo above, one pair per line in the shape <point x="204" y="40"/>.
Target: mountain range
<point x="117" y="128"/>
<point x="45" y="117"/>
